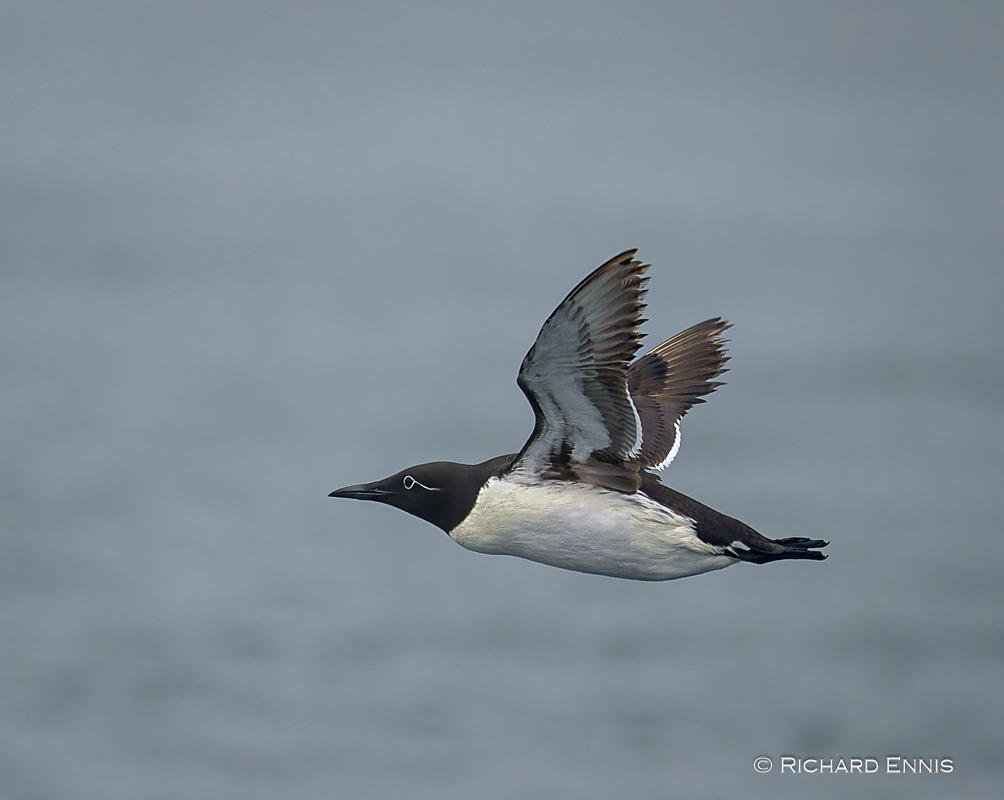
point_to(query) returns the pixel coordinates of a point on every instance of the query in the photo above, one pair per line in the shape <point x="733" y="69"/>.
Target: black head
<point x="442" y="492"/>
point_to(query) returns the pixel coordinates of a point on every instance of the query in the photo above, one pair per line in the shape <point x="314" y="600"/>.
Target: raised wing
<point x="576" y="378"/>
<point x="668" y="380"/>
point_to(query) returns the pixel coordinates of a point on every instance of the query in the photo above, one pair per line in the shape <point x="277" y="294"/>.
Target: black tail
<point x="781" y="549"/>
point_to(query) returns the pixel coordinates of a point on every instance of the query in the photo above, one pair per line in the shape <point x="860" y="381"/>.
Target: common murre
<point x="580" y="495"/>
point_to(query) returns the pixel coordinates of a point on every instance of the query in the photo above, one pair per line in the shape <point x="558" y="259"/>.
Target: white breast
<point x="587" y="529"/>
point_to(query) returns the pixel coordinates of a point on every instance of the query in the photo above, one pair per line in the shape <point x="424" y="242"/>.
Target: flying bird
<point x="581" y="494"/>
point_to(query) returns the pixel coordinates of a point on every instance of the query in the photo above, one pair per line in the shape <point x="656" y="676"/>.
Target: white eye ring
<point x="410" y="483"/>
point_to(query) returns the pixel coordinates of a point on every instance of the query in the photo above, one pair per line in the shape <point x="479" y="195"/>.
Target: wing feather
<point x="576" y="379"/>
<point x="670" y="379"/>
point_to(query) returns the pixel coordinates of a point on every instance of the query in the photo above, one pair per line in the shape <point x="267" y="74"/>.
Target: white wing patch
<point x="673" y="450"/>
<point x="636" y="447"/>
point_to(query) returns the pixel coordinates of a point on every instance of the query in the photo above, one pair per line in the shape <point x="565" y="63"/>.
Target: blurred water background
<point x="251" y="252"/>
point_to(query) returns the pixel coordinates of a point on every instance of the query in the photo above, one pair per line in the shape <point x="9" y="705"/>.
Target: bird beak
<point x="364" y="491"/>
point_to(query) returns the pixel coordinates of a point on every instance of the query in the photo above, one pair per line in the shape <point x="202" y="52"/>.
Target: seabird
<point x="581" y="495"/>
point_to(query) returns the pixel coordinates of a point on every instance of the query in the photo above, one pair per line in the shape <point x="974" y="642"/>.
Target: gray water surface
<point x="251" y="252"/>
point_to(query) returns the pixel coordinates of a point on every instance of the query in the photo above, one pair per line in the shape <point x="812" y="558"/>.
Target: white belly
<point x="586" y="529"/>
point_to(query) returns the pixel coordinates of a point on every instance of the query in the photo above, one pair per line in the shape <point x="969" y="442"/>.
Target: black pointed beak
<point x="364" y="491"/>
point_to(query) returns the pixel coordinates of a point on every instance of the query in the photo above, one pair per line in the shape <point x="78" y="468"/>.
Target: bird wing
<point x="576" y="379"/>
<point x="669" y="379"/>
